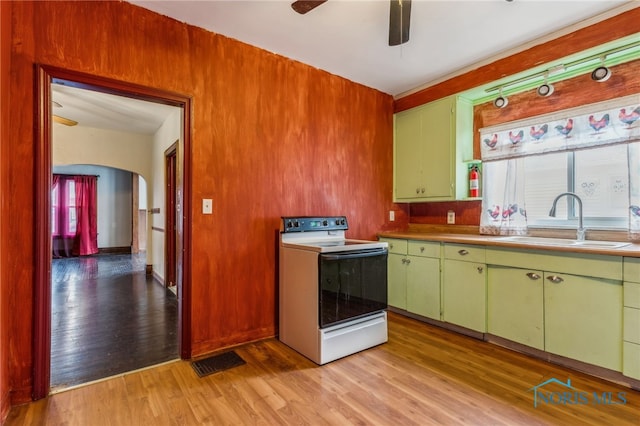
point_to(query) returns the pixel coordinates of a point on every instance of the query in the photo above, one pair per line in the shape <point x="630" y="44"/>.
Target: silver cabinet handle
<point x="480" y="269"/>
<point x="555" y="279"/>
<point x="404" y="260"/>
<point x="417" y="190"/>
<point x="408" y="261"/>
<point x="421" y="249"/>
<point x="391" y="246"/>
<point x="533" y="276"/>
<point x="422" y="190"/>
<point x="463" y="252"/>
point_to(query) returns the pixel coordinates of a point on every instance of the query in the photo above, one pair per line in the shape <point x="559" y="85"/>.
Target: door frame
<point x="172" y="207"/>
<point x="46" y="75"/>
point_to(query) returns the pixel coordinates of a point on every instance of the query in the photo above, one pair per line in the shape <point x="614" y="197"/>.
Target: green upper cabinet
<point x="432" y="142"/>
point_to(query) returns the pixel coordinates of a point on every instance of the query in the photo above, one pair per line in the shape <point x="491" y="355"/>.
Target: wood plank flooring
<point x="107" y="318"/>
<point x="424" y="375"/>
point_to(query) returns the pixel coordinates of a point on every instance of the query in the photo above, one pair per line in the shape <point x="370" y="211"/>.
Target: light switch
<point x="207" y="206"/>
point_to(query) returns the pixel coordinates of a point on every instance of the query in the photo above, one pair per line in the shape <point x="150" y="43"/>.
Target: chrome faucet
<point x="552" y="213"/>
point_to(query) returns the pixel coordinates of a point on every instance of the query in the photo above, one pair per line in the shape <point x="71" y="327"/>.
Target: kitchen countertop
<point x="631" y="250"/>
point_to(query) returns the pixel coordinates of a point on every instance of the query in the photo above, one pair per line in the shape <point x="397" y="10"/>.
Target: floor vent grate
<point x="217" y="363"/>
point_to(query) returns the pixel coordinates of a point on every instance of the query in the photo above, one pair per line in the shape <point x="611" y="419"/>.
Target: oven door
<point x="352" y="284"/>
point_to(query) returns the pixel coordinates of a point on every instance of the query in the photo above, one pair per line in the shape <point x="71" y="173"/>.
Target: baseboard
<point x="156" y="277"/>
<point x="114" y="250"/>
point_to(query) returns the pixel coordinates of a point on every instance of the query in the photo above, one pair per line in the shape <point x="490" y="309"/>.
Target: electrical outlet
<point x="207" y="206"/>
<point x="451" y="217"/>
<point x="392" y="215"/>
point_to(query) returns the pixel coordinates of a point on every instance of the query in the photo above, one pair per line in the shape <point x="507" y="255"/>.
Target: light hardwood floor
<point x="424" y="375"/>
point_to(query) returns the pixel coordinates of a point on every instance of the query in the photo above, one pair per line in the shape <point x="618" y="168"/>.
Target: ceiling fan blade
<point x="63" y="120"/>
<point x="304" y="6"/>
<point x="399" y="21"/>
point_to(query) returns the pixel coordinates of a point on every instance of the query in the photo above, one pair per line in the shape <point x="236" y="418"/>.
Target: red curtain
<point x="74" y="215"/>
<point x="86" y="239"/>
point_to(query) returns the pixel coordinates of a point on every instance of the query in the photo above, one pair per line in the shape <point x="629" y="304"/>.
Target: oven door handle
<point x="354" y="255"/>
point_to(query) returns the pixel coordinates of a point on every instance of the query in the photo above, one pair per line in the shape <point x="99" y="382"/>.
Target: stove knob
<point x="296" y="224"/>
<point x="325" y="223"/>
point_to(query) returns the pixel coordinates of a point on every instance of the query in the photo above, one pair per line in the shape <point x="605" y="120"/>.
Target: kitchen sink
<point x="603" y="244"/>
<point x="543" y="241"/>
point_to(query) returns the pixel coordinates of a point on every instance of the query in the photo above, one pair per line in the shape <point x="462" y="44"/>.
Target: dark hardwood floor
<point x="108" y="317"/>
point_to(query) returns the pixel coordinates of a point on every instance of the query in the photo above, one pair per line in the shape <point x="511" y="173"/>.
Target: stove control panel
<point x="313" y="223"/>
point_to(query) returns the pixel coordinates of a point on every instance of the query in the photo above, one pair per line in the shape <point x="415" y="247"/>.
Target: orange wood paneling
<point x="613" y="28"/>
<point x="5" y="59"/>
<point x="270" y="137"/>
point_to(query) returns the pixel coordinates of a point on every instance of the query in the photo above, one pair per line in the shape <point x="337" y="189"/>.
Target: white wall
<point x="88" y="145"/>
<point x="114" y="203"/>
<point x="142" y="193"/>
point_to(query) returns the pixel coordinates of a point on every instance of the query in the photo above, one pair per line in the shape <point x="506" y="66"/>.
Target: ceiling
<point x="105" y="111"/>
<point x="349" y="38"/>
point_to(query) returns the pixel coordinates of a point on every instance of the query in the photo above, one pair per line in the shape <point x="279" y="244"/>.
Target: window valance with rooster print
<point x="603" y="123"/>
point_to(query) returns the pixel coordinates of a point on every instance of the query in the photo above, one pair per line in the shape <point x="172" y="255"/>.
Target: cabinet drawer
<point x="632" y="269"/>
<point x="631" y="325"/>
<point x="424" y="248"/>
<point x="591" y="265"/>
<point x="632" y="295"/>
<point x="396" y="246"/>
<point x="465" y="252"/>
<point x="631" y="360"/>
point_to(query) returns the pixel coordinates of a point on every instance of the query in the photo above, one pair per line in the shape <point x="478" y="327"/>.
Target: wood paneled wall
<point x="5" y="59"/>
<point x="270" y="137"/>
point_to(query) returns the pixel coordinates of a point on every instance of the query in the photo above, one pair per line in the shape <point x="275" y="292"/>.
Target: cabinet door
<point x="515" y="305"/>
<point x="583" y="319"/>
<point x="464" y="294"/>
<point x="397" y="281"/>
<point x="437" y="133"/>
<point x="423" y="286"/>
<point x="408" y="154"/>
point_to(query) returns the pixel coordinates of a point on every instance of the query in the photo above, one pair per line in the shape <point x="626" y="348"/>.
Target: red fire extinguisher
<point x="474" y="185"/>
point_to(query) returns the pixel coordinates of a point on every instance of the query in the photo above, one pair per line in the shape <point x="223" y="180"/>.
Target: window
<point x="63" y="208"/>
<point x="599" y="176"/>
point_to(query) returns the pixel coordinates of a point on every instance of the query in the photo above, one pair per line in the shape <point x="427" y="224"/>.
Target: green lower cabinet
<point x="515" y="305"/>
<point x="423" y="286"/>
<point x="583" y="319"/>
<point x="465" y="294"/>
<point x="397" y="281"/>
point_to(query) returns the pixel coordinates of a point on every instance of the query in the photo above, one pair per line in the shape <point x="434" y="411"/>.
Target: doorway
<point x="170" y="269"/>
<point x="42" y="293"/>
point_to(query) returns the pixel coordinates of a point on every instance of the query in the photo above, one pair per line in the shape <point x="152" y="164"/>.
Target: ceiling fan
<point x="60" y="119"/>
<point x="399" y="17"/>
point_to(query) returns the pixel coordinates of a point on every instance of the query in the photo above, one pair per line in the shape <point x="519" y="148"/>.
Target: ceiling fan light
<point x="601" y="74"/>
<point x="501" y="102"/>
<point x="545" y="90"/>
